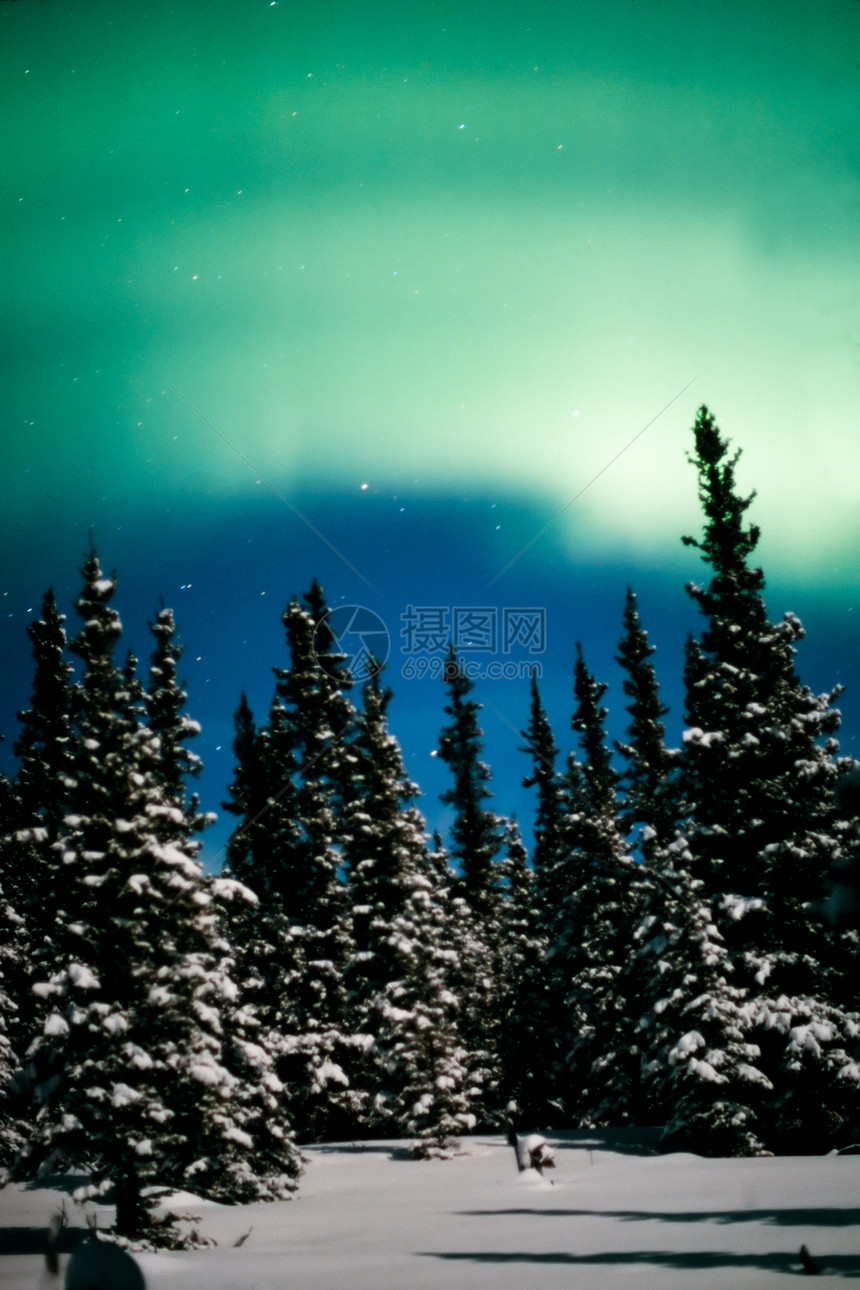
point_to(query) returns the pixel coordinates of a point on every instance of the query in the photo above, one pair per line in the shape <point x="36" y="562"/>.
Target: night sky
<point x="377" y="292"/>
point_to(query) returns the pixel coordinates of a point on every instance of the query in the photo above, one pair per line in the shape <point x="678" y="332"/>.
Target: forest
<point x="674" y="943"/>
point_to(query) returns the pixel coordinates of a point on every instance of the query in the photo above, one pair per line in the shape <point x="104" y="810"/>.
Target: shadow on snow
<point x="844" y="1265"/>
<point x="827" y="1217"/>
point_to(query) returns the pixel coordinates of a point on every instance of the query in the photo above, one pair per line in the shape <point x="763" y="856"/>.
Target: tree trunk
<point x="131" y="1214"/>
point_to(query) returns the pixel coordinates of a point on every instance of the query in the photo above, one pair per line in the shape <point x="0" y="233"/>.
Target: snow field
<point x="369" y="1218"/>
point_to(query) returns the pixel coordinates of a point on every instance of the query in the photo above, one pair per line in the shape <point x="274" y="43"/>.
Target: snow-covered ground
<point x="369" y="1218"/>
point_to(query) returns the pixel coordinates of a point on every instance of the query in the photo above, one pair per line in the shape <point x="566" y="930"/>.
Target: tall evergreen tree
<point x="700" y="1063"/>
<point x="33" y="877"/>
<point x="14" y="978"/>
<point x="417" y="1073"/>
<point x="143" y="1043"/>
<point x="540" y="1090"/>
<point x="757" y="776"/>
<point x="529" y="1059"/>
<point x="648" y="807"/>
<point x="552" y="794"/>
<point x="265" y="853"/>
<point x="758" y="769"/>
<point x="43" y="747"/>
<point x="476" y="833"/>
<point x="291" y="784"/>
<point x="600" y="914"/>
<point x="320" y="720"/>
<point x="165" y="700"/>
<point x="477" y="836"/>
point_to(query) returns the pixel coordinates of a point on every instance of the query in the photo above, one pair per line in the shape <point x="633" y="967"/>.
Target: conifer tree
<point x="758" y="771"/>
<point x="549" y="829"/>
<point x="142" y="1072"/>
<point x="541" y="1087"/>
<point x="164" y="702"/>
<point x="417" y="1076"/>
<point x="13" y="1131"/>
<point x="43" y="746"/>
<point x="476" y="832"/>
<point x="34" y="880"/>
<point x="14" y="956"/>
<point x="265" y="853"/>
<point x="648" y="806"/>
<point x="757" y="775"/>
<point x="700" y="1063"/>
<point x="319" y="719"/>
<point x="600" y="915"/>
<point x="529" y="1065"/>
<point x="477" y="836"/>
<point x="291" y="784"/>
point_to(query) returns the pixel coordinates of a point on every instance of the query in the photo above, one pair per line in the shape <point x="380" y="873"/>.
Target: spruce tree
<point x="700" y="1062"/>
<point x="757" y="775"/>
<point x="417" y="1077"/>
<point x="648" y="811"/>
<point x="600" y="913"/>
<point x="43" y="747"/>
<point x="476" y="833"/>
<point x="552" y="792"/>
<point x="265" y="854"/>
<point x="758" y="769"/>
<point x="273" y="940"/>
<point x="34" y="879"/>
<point x="14" y="981"/>
<point x="541" y="1087"/>
<point x="164" y="701"/>
<point x="477" y="836"/>
<point x="529" y="1064"/>
<point x="292" y="782"/>
<point x="142" y="1060"/>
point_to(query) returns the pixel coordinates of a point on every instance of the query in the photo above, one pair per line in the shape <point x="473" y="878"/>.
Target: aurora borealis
<point x="424" y="271"/>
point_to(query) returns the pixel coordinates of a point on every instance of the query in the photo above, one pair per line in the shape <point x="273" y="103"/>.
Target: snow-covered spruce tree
<point x="698" y="1060"/>
<point x="16" y="1012"/>
<point x="384" y="845"/>
<point x="648" y="809"/>
<point x="604" y="896"/>
<point x="758" y="771"/>
<point x="14" y="955"/>
<point x="319" y="724"/>
<point x="552" y="808"/>
<point x="13" y="1131"/>
<point x="43" y="745"/>
<point x="541" y="1086"/>
<point x="31" y="876"/>
<point x="416" y="1071"/>
<point x="266" y="853"/>
<point x="476" y="833"/>
<point x="248" y="1154"/>
<point x="232" y="1107"/>
<point x="841" y="909"/>
<point x="477" y="837"/>
<point x="527" y="1025"/>
<point x="35" y="880"/>
<point x="757" y="778"/>
<point x="164" y="701"/>
<point x="142" y="1059"/>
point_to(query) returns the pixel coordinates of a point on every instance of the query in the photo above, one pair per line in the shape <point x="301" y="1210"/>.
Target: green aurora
<point x="438" y="245"/>
<point x="433" y="274"/>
